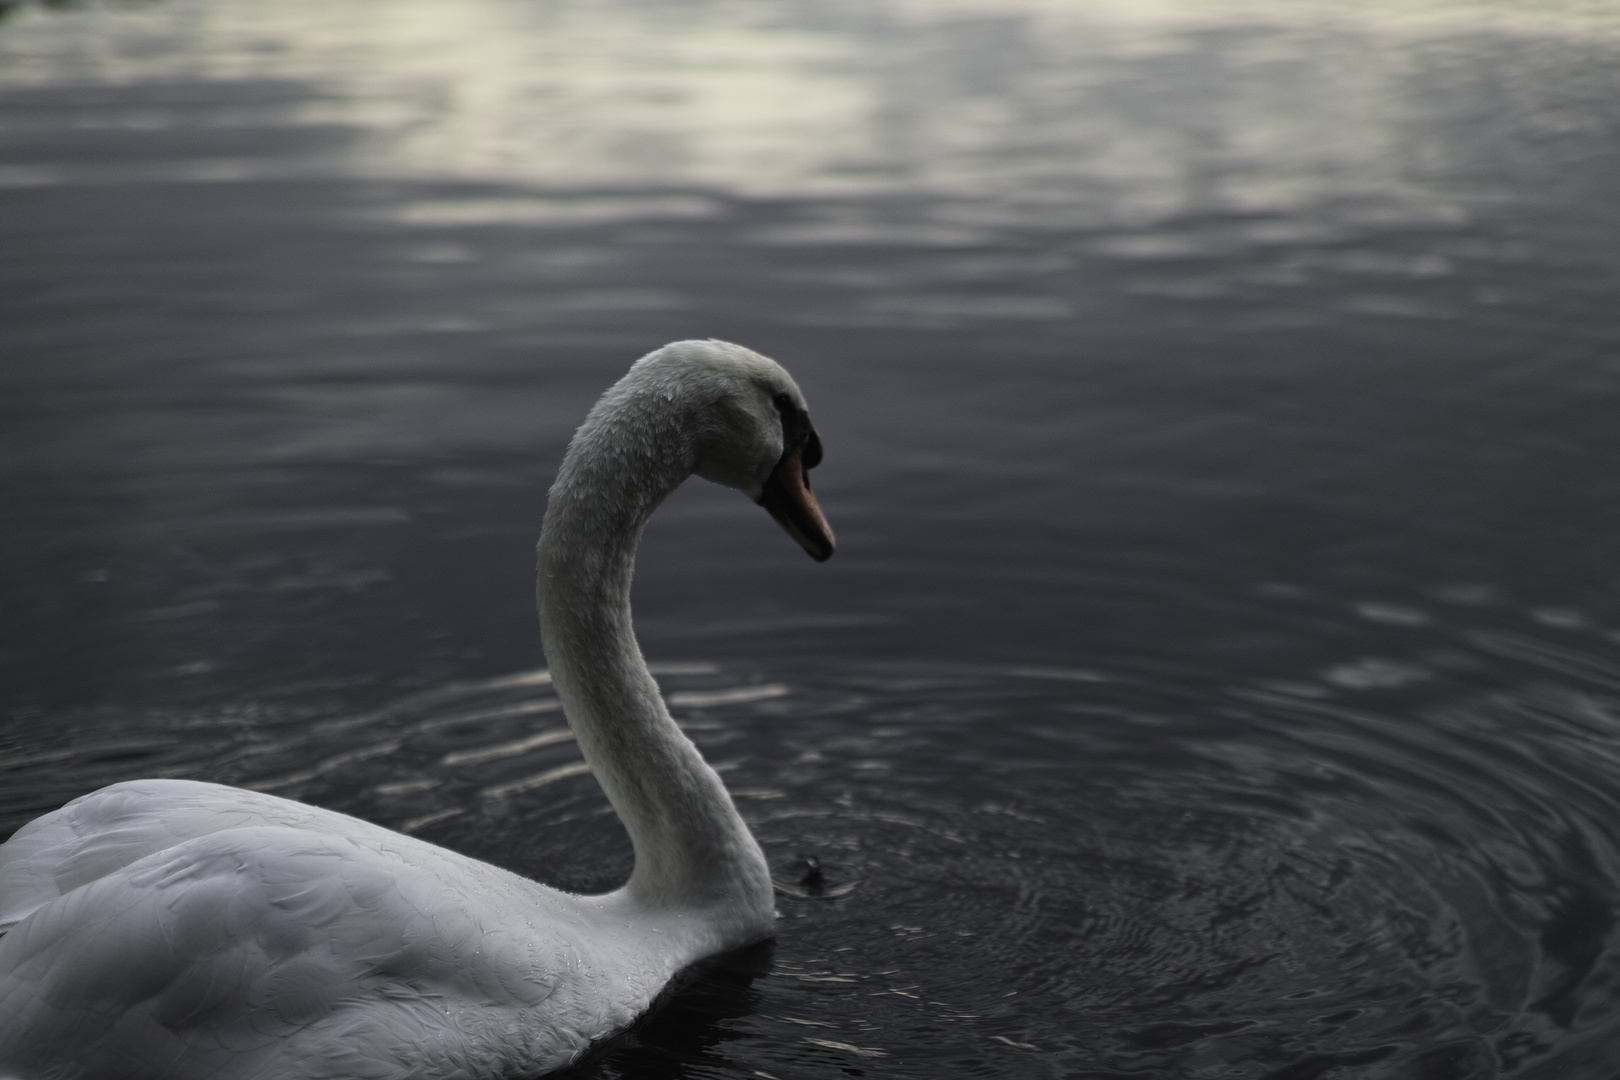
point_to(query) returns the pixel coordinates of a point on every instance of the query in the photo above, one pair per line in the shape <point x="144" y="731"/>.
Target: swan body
<point x="176" y="929"/>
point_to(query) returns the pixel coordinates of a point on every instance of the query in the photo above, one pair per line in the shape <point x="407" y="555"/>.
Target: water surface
<point x="1218" y="674"/>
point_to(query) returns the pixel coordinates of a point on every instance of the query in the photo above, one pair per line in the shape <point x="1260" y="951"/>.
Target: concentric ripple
<point x="1114" y="881"/>
<point x="1006" y="871"/>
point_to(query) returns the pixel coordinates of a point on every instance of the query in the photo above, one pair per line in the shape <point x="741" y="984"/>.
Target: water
<point x="1218" y="674"/>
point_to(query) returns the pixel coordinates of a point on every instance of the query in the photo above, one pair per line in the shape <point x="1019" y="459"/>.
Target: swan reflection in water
<point x="181" y="929"/>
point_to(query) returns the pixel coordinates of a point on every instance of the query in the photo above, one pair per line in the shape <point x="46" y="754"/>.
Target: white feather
<point x="168" y="928"/>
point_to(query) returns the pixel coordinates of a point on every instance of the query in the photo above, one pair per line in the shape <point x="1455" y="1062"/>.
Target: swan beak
<point x="787" y="496"/>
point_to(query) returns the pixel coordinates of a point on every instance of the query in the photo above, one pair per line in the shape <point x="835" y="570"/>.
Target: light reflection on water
<point x="1218" y="673"/>
<point x="1080" y="113"/>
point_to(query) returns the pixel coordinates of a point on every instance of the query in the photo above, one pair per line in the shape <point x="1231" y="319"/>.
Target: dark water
<point x="1220" y="672"/>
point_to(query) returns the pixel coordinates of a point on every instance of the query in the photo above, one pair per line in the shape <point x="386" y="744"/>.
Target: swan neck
<point x="692" y="849"/>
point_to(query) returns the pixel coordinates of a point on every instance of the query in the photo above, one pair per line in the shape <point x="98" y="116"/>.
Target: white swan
<point x="165" y="928"/>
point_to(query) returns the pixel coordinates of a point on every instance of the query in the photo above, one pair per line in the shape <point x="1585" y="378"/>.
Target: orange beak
<point x="788" y="498"/>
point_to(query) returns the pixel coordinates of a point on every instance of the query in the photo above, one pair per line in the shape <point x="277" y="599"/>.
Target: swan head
<point x="751" y="430"/>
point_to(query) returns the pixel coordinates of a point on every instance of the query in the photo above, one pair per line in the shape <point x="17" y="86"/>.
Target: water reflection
<point x="1082" y="113"/>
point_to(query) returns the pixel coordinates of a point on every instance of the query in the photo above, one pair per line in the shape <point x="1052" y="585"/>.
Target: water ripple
<point x="1116" y="872"/>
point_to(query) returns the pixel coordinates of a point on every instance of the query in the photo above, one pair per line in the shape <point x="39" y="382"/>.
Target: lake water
<point x="1219" y="675"/>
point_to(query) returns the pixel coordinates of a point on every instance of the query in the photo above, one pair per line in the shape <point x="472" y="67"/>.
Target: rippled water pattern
<point x="1219" y="675"/>
<point x="1031" y="871"/>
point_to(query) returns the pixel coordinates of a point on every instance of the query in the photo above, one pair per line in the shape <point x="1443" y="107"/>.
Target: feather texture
<point x="174" y="929"/>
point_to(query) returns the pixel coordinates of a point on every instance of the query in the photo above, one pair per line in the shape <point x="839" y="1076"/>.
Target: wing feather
<point x="222" y="952"/>
<point x="167" y="928"/>
<point x="106" y="830"/>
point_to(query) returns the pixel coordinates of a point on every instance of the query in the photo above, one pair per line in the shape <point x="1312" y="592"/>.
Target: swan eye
<point x="796" y="431"/>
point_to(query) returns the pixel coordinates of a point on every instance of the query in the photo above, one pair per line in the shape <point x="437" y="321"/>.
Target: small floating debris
<point x="812" y="882"/>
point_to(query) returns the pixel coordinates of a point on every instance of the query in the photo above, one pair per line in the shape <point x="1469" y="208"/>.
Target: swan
<point x="176" y="929"/>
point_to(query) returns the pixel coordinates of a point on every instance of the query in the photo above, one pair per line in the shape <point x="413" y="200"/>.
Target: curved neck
<point x="692" y="849"/>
